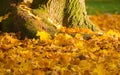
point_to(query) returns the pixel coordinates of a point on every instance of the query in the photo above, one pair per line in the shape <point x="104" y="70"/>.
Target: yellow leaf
<point x="111" y="32"/>
<point x="112" y="66"/>
<point x="67" y="36"/>
<point x="4" y="17"/>
<point x="1" y="18"/>
<point x="79" y="44"/>
<point x="100" y="70"/>
<point x="93" y="56"/>
<point x="62" y="39"/>
<point x="44" y="36"/>
<point x="79" y="36"/>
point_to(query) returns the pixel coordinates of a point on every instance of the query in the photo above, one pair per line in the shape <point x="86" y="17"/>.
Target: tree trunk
<point x="70" y="13"/>
<point x="48" y="15"/>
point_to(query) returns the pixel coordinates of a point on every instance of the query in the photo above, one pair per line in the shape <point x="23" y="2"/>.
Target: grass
<point x="103" y="6"/>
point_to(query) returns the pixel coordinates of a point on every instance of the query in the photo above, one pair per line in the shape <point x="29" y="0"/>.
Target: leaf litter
<point x="72" y="52"/>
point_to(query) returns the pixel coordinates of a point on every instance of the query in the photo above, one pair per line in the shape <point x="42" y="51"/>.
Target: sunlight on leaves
<point x="72" y="51"/>
<point x="44" y="36"/>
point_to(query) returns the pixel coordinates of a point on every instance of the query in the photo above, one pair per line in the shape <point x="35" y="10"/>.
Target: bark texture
<point x="70" y="13"/>
<point x="31" y="16"/>
<point x="75" y="15"/>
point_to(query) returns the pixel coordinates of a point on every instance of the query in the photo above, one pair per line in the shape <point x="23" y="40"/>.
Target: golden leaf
<point x="44" y="36"/>
<point x="62" y="39"/>
<point x="79" y="44"/>
<point x="99" y="70"/>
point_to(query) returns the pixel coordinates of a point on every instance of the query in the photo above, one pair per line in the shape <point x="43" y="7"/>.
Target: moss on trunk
<point x="75" y="15"/>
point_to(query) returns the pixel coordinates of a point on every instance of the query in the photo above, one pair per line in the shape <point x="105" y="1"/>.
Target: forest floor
<point x="72" y="52"/>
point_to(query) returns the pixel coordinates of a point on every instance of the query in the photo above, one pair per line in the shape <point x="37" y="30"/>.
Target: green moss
<point x="46" y="25"/>
<point x="74" y="14"/>
<point x="28" y="30"/>
<point x="39" y="12"/>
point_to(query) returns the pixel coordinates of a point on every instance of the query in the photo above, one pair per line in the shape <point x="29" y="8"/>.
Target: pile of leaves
<point x="72" y="52"/>
<point x="107" y="21"/>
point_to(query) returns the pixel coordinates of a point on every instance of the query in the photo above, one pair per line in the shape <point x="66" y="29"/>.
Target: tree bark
<point x="48" y="15"/>
<point x="70" y="13"/>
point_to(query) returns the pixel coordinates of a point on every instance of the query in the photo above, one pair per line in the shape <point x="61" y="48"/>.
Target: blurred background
<point x="105" y="14"/>
<point x="103" y="6"/>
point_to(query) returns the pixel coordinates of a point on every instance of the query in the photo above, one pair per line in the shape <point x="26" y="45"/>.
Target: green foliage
<point x="28" y="30"/>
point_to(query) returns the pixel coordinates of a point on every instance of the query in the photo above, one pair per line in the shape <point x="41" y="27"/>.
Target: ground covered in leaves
<point x="71" y="52"/>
